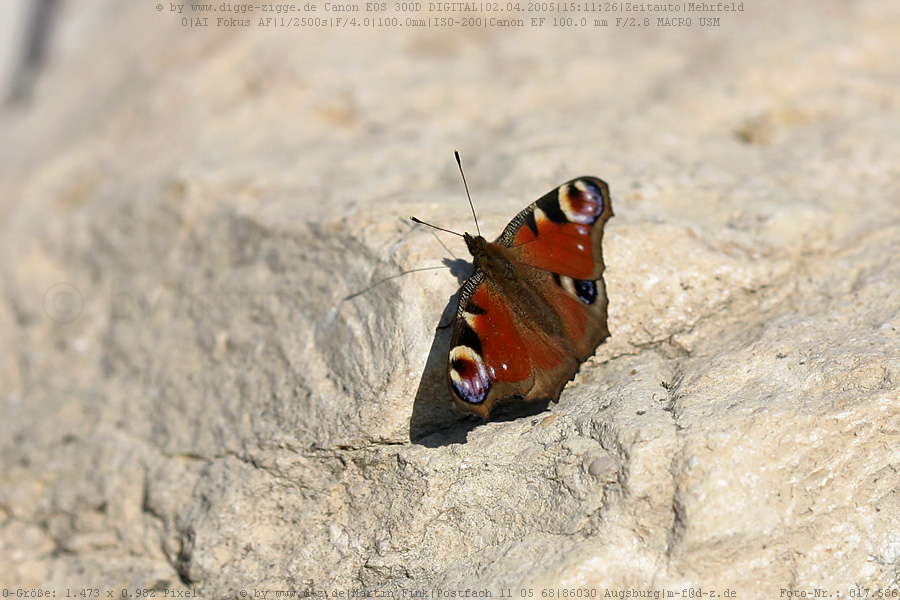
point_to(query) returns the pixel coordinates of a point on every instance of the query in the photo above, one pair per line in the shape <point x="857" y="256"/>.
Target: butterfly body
<point x="535" y="307"/>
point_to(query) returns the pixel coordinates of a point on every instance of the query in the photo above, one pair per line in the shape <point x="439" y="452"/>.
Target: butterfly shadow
<point x="435" y="421"/>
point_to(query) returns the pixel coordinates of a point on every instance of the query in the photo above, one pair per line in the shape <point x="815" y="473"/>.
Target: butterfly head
<point x="475" y="244"/>
<point x="492" y="258"/>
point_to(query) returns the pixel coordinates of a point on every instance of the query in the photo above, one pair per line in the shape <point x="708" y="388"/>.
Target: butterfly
<point x="535" y="307"/>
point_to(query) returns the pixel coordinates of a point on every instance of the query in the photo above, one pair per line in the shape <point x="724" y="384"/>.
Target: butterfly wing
<point x="500" y="349"/>
<point x="527" y="336"/>
<point x="562" y="231"/>
<point x="488" y="357"/>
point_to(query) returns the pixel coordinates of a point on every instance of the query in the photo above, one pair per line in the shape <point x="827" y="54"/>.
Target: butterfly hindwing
<point x="583" y="305"/>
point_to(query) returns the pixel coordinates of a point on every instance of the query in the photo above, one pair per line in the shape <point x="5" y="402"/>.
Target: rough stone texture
<point x="223" y="367"/>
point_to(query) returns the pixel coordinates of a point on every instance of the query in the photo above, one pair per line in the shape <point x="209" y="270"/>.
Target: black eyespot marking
<point x="475" y="309"/>
<point x="592" y="189"/>
<point x="581" y="201"/>
<point x="531" y="222"/>
<point x="554" y="212"/>
<point x="468" y="377"/>
<point x="472" y="387"/>
<point x="468" y="337"/>
<point x="466" y="368"/>
<point x="586" y="290"/>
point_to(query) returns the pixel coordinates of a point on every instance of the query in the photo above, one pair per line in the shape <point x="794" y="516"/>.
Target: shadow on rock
<point x="434" y="421"/>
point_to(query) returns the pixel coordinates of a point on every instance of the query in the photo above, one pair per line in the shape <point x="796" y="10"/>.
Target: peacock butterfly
<point x="535" y="307"/>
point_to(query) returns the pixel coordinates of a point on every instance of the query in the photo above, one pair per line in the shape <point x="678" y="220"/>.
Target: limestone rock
<point x="226" y="343"/>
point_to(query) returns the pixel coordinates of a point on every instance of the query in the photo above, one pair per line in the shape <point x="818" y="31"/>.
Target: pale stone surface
<point x="224" y="369"/>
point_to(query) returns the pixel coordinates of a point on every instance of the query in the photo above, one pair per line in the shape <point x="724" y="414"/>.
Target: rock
<point x="227" y="342"/>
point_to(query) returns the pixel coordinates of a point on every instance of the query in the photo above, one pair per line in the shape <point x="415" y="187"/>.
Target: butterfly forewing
<point x="489" y="358"/>
<point x="562" y="231"/>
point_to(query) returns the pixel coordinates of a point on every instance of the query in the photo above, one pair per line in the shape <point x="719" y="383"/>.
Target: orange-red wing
<point x="562" y="231"/>
<point x="502" y="346"/>
<point x="489" y="359"/>
<point x="563" y="248"/>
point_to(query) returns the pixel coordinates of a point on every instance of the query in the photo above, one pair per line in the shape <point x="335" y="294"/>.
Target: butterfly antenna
<point x="386" y="279"/>
<point x="458" y="162"/>
<point x="415" y="220"/>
